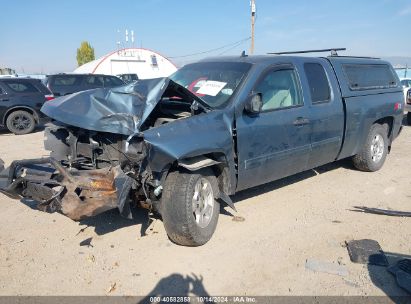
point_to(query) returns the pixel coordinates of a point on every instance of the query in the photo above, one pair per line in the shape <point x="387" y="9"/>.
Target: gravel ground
<point x="287" y="222"/>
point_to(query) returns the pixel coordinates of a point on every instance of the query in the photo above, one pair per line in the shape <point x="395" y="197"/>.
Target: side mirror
<point x="254" y="103"/>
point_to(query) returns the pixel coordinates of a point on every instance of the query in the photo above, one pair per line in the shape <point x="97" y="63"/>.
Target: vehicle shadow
<point x="386" y="281"/>
<point x="177" y="285"/>
<point x="246" y="194"/>
<point x="110" y="220"/>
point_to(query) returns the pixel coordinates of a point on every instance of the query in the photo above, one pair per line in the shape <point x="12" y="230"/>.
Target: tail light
<point x="49" y="97"/>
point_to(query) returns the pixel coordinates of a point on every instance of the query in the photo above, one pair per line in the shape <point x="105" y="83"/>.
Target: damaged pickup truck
<point x="182" y="145"/>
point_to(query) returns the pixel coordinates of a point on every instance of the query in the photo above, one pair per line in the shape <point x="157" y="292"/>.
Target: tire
<point x="409" y="118"/>
<point x="20" y="122"/>
<point x="178" y="208"/>
<point x="374" y="151"/>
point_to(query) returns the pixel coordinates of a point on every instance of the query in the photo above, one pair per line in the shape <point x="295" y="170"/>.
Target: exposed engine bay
<point x="91" y="171"/>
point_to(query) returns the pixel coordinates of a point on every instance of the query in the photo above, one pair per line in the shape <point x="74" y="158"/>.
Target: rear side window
<point x="64" y="80"/>
<point x="112" y="82"/>
<point x="94" y="81"/>
<point x="318" y="82"/>
<point x="21" y="87"/>
<point x="369" y="76"/>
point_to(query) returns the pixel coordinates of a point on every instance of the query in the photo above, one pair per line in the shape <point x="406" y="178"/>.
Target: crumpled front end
<point x="75" y="193"/>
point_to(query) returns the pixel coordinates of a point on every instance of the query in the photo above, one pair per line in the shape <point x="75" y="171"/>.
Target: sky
<point x="42" y="36"/>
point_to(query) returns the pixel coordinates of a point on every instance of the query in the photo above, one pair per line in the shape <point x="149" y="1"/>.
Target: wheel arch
<point x="389" y="121"/>
<point x="23" y="108"/>
<point x="217" y="162"/>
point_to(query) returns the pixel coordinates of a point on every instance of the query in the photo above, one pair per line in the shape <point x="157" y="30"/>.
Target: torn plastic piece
<point x="226" y="199"/>
<point x="326" y="267"/>
<point x="402" y="271"/>
<point x="366" y="252"/>
<point x="382" y="211"/>
<point x="196" y="163"/>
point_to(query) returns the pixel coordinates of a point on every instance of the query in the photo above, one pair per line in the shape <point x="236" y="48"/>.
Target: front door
<point x="276" y="142"/>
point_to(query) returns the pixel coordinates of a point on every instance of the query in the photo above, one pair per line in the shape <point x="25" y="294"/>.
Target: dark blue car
<point x="20" y="102"/>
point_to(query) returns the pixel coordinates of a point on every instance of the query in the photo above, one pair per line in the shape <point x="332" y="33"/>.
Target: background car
<point x="406" y="85"/>
<point x="127" y="78"/>
<point x="406" y="82"/>
<point x="64" y="84"/>
<point x="20" y="103"/>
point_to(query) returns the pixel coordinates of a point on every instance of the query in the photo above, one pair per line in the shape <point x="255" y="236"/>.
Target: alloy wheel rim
<point x="203" y="202"/>
<point x="21" y="122"/>
<point x="377" y="148"/>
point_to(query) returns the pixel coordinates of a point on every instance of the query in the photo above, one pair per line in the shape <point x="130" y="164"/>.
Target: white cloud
<point x="405" y="11"/>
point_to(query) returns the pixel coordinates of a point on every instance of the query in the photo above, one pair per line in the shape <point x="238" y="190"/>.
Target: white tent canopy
<point x="145" y="63"/>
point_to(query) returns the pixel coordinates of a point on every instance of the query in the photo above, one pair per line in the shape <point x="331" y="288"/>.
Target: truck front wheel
<point x="374" y="151"/>
<point x="409" y="118"/>
<point x="189" y="207"/>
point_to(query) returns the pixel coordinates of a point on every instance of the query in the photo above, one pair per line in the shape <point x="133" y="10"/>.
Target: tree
<point x="85" y="53"/>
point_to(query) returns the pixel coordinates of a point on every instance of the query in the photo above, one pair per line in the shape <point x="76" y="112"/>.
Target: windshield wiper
<point x="195" y="105"/>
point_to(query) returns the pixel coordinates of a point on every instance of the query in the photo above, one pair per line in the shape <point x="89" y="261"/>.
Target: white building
<point x="143" y="62"/>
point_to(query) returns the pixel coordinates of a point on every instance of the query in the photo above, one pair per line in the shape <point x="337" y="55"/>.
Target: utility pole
<point x="253" y="12"/>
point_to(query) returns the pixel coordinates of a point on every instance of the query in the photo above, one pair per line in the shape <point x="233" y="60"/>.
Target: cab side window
<point x="280" y="89"/>
<point x="318" y="82"/>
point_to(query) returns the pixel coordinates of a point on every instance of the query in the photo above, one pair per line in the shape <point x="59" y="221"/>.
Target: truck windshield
<point x="213" y="82"/>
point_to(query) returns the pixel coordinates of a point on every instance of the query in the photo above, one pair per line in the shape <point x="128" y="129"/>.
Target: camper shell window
<point x="369" y="76"/>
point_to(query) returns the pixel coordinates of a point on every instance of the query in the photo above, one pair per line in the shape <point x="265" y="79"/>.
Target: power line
<point x="213" y="50"/>
<point x="233" y="47"/>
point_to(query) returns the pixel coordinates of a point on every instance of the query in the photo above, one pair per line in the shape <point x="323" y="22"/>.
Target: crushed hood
<point x="120" y="110"/>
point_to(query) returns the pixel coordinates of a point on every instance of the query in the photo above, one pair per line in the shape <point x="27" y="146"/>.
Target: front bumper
<point x="77" y="194"/>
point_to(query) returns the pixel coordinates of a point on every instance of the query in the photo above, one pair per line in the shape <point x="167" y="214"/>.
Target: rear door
<point x="326" y="111"/>
<point x="276" y="142"/>
<point x="4" y="102"/>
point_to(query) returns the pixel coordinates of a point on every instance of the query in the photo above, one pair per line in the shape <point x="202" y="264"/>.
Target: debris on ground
<point x="91" y="258"/>
<point x="87" y="242"/>
<point x="151" y="227"/>
<point x="82" y="230"/>
<point x="237" y="218"/>
<point x="382" y="211"/>
<point x="326" y="267"/>
<point x="366" y="252"/>
<point x="112" y="287"/>
<point x="402" y="271"/>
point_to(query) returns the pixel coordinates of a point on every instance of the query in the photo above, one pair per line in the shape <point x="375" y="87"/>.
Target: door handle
<point x="4" y="99"/>
<point x="301" y="121"/>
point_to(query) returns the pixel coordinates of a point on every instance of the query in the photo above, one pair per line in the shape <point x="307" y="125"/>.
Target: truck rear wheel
<point x="374" y="151"/>
<point x="189" y="207"/>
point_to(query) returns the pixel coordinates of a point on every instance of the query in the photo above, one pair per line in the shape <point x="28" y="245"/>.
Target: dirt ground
<point x="304" y="217"/>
